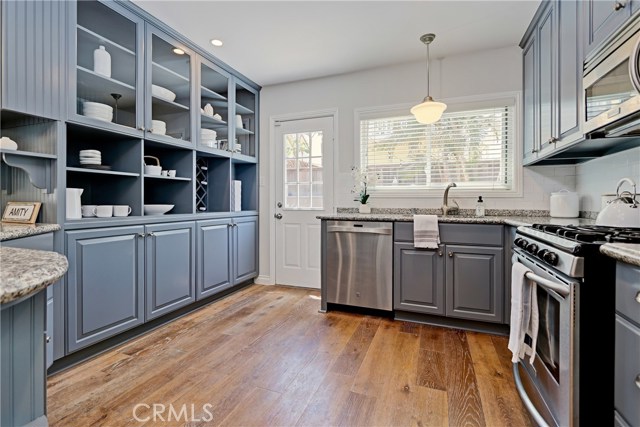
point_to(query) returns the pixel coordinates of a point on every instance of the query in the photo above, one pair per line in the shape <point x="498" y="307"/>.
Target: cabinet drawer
<point x="474" y="234"/>
<point x="628" y="291"/>
<point x="627" y="371"/>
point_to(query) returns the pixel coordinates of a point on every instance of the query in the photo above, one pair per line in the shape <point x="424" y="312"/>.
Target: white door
<point x="304" y="189"/>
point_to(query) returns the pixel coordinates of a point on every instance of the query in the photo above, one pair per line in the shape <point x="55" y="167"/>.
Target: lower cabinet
<point x="455" y="280"/>
<point x="105" y="292"/>
<point x="245" y="248"/>
<point x="214" y="264"/>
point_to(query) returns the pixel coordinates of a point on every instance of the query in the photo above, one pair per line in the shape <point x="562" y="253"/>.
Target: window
<point x="472" y="145"/>
<point x="303" y="170"/>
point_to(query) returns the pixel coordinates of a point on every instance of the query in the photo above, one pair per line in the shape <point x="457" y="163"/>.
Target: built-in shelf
<point x="243" y="158"/>
<point x="98" y="88"/>
<point x="170" y="178"/>
<point x="164" y="106"/>
<point x="101" y="172"/>
<point x="241" y="109"/>
<point x="167" y="140"/>
<point x="37" y="166"/>
<point x="211" y="123"/>
<point x="28" y="154"/>
<point x="207" y="94"/>
<point x="101" y="40"/>
<point x="205" y="151"/>
<point x="242" y="131"/>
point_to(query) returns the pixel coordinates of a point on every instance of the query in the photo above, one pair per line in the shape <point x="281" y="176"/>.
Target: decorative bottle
<point x="480" y="207"/>
<point x="102" y="62"/>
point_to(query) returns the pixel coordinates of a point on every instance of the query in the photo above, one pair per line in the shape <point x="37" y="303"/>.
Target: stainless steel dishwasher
<point x="359" y="259"/>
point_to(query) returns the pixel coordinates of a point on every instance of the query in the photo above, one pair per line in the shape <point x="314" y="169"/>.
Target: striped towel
<point x="425" y="231"/>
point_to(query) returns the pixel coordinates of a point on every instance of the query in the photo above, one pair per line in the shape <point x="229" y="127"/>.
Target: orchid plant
<point x="361" y="180"/>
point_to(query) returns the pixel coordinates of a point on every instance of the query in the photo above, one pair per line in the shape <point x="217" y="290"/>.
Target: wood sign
<point x="21" y="212"/>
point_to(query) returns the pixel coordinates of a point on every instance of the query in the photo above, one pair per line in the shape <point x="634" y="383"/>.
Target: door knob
<point x="278" y="216"/>
<point x="279" y="204"/>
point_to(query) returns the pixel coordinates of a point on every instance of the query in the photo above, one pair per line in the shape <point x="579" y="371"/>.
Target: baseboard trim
<point x="264" y="280"/>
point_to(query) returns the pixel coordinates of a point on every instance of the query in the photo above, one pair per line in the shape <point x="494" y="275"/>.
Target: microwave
<point x="611" y="84"/>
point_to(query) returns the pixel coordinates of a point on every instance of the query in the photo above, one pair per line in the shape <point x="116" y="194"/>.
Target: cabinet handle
<point x="151" y="234"/>
<point x="552" y="140"/>
<point x="229" y="225"/>
<point x="638" y="297"/>
<point x="141" y="128"/>
<point x="140" y="235"/>
<point x="450" y="254"/>
<point x="235" y="225"/>
<point x="619" y="5"/>
<point x="637" y="381"/>
<point x="439" y="253"/>
<point x="534" y="151"/>
<point x="48" y="339"/>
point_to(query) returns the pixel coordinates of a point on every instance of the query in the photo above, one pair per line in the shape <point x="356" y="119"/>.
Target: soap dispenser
<point x="480" y="207"/>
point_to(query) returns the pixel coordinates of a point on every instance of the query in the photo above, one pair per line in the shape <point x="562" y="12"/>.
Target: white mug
<point x="164" y="173"/>
<point x="171" y="173"/>
<point x="239" y="124"/>
<point x="121" y="210"/>
<point x="88" y="210"/>
<point x="104" y="211"/>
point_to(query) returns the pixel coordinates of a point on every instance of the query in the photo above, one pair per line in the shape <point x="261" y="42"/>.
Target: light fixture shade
<point x="429" y="111"/>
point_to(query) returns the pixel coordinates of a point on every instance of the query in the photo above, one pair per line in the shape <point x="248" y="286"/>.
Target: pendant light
<point x="429" y="111"/>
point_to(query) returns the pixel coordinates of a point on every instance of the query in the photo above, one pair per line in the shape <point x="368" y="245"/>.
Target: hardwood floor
<point x="264" y="356"/>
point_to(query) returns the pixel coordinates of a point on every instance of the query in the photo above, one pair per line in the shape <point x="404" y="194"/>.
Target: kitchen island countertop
<point x="625" y="252"/>
<point x="17" y="231"/>
<point x="25" y="272"/>
<point x="515" y="221"/>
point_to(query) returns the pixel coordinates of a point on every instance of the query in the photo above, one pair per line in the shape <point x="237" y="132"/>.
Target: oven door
<point x="612" y="89"/>
<point x="553" y="376"/>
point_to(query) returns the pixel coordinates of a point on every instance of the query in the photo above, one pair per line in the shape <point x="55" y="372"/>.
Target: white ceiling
<point x="282" y="41"/>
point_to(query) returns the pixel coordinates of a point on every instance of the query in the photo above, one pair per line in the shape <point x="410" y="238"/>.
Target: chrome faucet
<point x="446" y="209"/>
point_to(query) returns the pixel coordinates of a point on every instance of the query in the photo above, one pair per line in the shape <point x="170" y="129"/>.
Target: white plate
<point x="163" y="93"/>
<point x="96" y="152"/>
<point x="103" y="118"/>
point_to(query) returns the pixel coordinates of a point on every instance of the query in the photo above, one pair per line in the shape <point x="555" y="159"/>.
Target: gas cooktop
<point x="591" y="233"/>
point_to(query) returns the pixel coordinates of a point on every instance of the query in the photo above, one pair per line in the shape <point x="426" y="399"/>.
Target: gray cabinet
<point x="245" y="248"/>
<point x="418" y="279"/>
<point x="105" y="292"/>
<point x="214" y="262"/>
<point x="474" y="285"/>
<point x="464" y="278"/>
<point x="34" y="57"/>
<point x="627" y="347"/>
<point x="602" y="18"/>
<point x="169" y="267"/>
<point x="552" y="79"/>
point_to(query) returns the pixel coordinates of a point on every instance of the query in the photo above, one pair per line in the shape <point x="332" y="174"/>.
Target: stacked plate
<point x="97" y="110"/>
<point x="208" y="137"/>
<point x="89" y="158"/>
<point x="163" y="93"/>
<point x="158" y="127"/>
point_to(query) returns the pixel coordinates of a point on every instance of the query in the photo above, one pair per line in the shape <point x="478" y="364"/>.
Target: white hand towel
<point x="524" y="314"/>
<point x="425" y="231"/>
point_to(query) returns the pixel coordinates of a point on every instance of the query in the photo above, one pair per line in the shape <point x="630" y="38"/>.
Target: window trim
<point x="453" y="104"/>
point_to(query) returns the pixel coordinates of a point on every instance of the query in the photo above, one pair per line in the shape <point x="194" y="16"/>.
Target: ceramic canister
<point x="102" y="62"/>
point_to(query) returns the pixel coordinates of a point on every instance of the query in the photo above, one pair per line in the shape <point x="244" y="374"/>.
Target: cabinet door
<point x="245" y="248"/>
<point x="105" y="293"/>
<point x="34" y="52"/>
<point x="418" y="279"/>
<point x="474" y="283"/>
<point x="547" y="42"/>
<point x="627" y="369"/>
<point x="49" y="333"/>
<point x="530" y="76"/>
<point x="603" y="18"/>
<point x="213" y="265"/>
<point x="569" y="68"/>
<point x="169" y="267"/>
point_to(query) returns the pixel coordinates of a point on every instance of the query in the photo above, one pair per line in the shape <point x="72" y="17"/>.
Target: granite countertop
<point x="516" y="220"/>
<point x="25" y="272"/>
<point x="625" y="252"/>
<point x="16" y="231"/>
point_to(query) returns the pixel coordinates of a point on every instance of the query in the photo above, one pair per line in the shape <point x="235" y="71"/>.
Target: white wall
<point x="601" y="176"/>
<point x="485" y="72"/>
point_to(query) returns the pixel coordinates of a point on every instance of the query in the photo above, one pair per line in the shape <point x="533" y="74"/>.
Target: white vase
<point x="364" y="208"/>
<point x="102" y="62"/>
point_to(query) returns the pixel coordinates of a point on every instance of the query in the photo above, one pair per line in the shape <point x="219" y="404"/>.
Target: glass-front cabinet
<point x="107" y="68"/>
<point x="245" y="122"/>
<point x="214" y="110"/>
<point x="169" y="92"/>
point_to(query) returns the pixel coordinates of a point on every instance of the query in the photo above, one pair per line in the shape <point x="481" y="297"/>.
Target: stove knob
<point x="520" y="242"/>
<point x="541" y="253"/>
<point x="532" y="248"/>
<point x="551" y="258"/>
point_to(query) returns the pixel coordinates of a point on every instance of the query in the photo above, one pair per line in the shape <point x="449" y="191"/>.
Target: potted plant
<point x="361" y="180"/>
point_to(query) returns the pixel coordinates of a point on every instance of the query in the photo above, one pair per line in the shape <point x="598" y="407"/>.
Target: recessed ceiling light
<point x="178" y="51"/>
<point x="216" y="42"/>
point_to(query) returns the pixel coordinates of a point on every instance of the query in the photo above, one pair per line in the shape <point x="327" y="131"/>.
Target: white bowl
<point x="7" y="143"/>
<point x="96" y="106"/>
<point x="157" y="209"/>
<point x="163" y="93"/>
<point x="152" y="170"/>
<point x="158" y="127"/>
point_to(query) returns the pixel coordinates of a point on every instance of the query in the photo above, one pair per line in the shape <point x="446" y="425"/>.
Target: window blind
<point x="473" y="148"/>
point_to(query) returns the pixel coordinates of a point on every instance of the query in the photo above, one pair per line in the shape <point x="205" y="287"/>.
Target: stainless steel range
<point x="571" y="380"/>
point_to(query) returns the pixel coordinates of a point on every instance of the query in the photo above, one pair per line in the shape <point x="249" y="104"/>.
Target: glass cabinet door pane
<point x="214" y="108"/>
<point x="106" y="71"/>
<point x="245" y="121"/>
<point x="170" y="90"/>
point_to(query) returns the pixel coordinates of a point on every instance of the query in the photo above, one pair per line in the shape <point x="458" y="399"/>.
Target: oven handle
<point x="540" y="421"/>
<point x="546" y="283"/>
<point x="633" y="66"/>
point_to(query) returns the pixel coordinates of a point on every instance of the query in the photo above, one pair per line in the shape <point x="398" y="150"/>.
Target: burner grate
<point x="592" y="233"/>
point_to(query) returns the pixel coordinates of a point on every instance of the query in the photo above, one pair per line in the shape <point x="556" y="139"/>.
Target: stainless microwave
<point x="611" y="85"/>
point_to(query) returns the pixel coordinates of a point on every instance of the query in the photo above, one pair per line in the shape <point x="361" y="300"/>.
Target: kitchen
<point x="473" y="75"/>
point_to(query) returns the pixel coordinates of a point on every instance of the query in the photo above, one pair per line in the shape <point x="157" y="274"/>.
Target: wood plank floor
<point x="264" y="356"/>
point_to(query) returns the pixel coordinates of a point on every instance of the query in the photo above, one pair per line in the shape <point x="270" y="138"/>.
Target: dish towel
<point x="524" y="314"/>
<point x="425" y="231"/>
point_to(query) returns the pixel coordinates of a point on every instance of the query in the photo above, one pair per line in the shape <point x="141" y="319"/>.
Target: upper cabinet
<point x="214" y="109"/>
<point x="34" y="57"/>
<point x="105" y="77"/>
<point x="602" y="18"/>
<point x="552" y="80"/>
<point x="245" y="106"/>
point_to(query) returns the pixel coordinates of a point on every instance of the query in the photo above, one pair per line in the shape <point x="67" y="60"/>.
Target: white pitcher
<point x="74" y="203"/>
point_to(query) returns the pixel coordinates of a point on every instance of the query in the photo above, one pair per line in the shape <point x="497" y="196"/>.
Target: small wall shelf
<point x="37" y="166"/>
